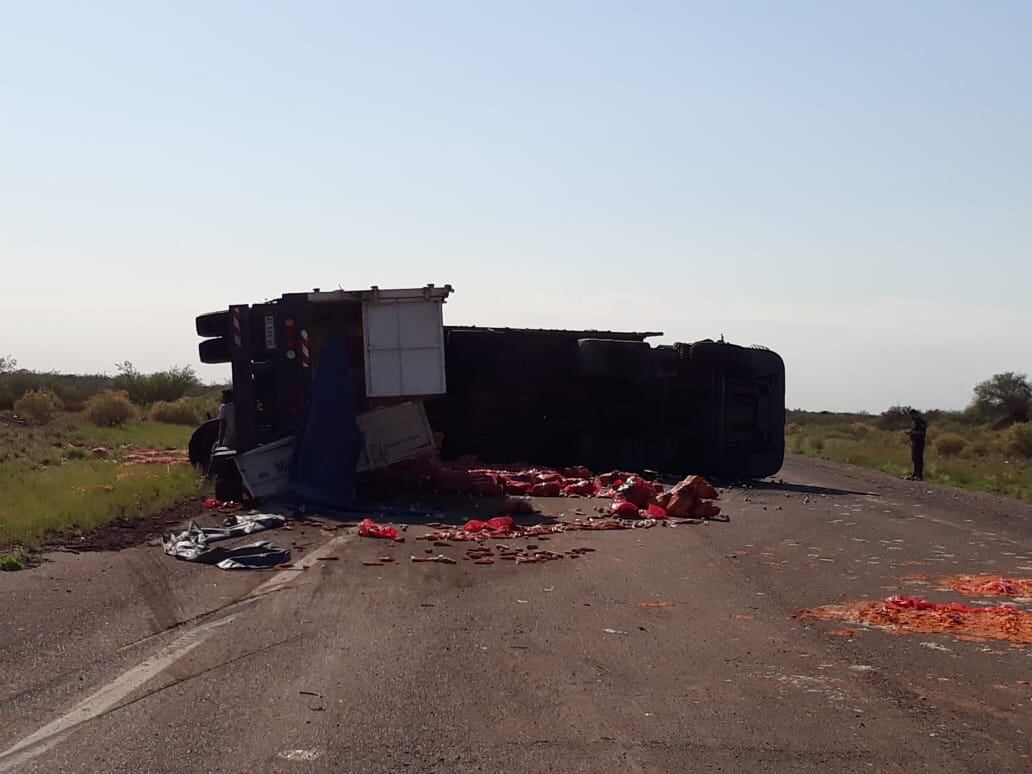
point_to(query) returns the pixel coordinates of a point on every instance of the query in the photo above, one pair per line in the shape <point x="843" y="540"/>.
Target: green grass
<point x="18" y="560"/>
<point x="49" y="480"/>
<point x="981" y="466"/>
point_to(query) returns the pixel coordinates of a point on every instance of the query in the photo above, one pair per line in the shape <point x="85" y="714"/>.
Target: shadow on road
<point x="783" y="486"/>
<point x="419" y="508"/>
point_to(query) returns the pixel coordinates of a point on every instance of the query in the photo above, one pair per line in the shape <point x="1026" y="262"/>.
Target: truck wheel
<point x="202" y="442"/>
<point x="715" y="353"/>
<point x="666" y="359"/>
<point x="214" y="350"/>
<point x="747" y="360"/>
<point x="612" y="359"/>
<point x="213" y="324"/>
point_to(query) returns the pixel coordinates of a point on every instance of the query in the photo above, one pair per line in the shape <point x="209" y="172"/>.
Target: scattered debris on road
<point x="989" y="585"/>
<point x="899" y="614"/>
<point x="641" y="511"/>
<point x="843" y="633"/>
<point x="304" y="756"/>
<point x="370" y="529"/>
<point x="633" y="497"/>
<point x="192" y="545"/>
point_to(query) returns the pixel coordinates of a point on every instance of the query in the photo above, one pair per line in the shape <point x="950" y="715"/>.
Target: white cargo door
<point x="404" y="340"/>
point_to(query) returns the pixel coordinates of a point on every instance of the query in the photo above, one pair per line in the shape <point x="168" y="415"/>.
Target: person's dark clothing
<point x="917" y="445"/>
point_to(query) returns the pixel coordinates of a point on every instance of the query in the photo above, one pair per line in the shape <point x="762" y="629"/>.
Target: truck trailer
<point x="601" y="399"/>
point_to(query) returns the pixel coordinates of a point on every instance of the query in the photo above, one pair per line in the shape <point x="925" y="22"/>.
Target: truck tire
<point x="740" y="360"/>
<point x="615" y="360"/>
<point x="214" y="350"/>
<point x="666" y="360"/>
<point x="716" y="353"/>
<point x="213" y="324"/>
<point x="202" y="442"/>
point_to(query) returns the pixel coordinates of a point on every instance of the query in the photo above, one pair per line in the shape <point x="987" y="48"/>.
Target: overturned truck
<point x="603" y="399"/>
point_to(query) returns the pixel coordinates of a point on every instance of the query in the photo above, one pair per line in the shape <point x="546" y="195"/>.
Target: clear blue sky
<point x="847" y="183"/>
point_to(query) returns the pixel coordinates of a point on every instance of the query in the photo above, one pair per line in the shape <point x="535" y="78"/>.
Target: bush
<point x="38" y="405"/>
<point x="68" y="387"/>
<point x="1018" y="440"/>
<point x="110" y="408"/>
<point x="979" y="446"/>
<point x="177" y="412"/>
<point x="950" y="444"/>
<point x="895" y="418"/>
<point x="145" y="389"/>
<point x="1005" y="395"/>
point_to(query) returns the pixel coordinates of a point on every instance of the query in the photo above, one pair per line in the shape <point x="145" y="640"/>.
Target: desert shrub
<point x="1018" y="440"/>
<point x="177" y="412"/>
<point x="894" y="418"/>
<point x="68" y="387"/>
<point x="979" y="446"/>
<point x="950" y="444"/>
<point x="145" y="389"/>
<point x="38" y="405"/>
<point x="109" y="408"/>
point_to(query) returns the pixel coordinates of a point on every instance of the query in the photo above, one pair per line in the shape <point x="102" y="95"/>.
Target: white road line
<point x="111" y="694"/>
<point x="107" y="697"/>
<point x="284" y="577"/>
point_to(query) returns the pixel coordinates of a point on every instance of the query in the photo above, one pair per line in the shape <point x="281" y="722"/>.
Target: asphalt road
<point x="131" y="661"/>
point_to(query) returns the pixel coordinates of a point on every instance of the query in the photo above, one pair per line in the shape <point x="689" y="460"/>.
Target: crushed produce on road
<point x="899" y="614"/>
<point x="369" y="528"/>
<point x="989" y="585"/>
<point x="687" y="499"/>
<point x="640" y="511"/>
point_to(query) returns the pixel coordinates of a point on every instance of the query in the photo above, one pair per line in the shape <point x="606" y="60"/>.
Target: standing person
<point x="917" y="443"/>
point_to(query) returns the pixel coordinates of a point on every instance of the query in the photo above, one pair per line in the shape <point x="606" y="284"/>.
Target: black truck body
<point x="602" y="399"/>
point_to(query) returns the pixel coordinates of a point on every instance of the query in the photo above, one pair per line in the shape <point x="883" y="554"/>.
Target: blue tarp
<point x="322" y="470"/>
